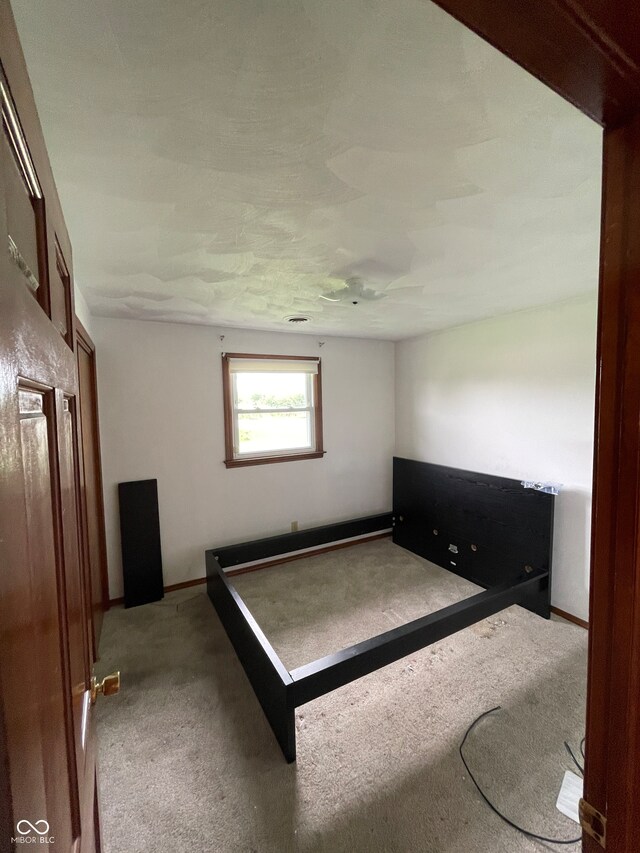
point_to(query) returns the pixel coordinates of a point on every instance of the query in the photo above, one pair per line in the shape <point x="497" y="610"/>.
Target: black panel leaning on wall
<point x="140" y="538"/>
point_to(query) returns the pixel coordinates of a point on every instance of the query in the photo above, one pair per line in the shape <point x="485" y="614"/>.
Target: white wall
<point x="512" y="396"/>
<point x="161" y="416"/>
<point x="82" y="310"/>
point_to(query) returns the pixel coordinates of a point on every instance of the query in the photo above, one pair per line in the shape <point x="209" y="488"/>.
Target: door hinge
<point x="593" y="823"/>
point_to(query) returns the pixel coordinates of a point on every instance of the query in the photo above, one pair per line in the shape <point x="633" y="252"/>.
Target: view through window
<point x="272" y="408"/>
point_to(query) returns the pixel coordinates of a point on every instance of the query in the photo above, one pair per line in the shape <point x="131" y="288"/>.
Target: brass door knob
<point x="109" y="685"/>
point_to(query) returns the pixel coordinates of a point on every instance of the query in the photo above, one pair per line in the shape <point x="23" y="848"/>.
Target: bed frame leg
<point x="287" y="735"/>
<point x="283" y="724"/>
<point x="539" y="601"/>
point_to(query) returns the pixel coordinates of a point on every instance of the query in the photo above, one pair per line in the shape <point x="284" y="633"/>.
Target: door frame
<point x="589" y="53"/>
<point x="82" y="340"/>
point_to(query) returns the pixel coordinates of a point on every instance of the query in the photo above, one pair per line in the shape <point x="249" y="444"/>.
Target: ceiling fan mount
<point x="354" y="291"/>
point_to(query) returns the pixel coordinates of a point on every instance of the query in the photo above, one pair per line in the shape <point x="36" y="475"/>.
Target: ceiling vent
<point x="297" y="318"/>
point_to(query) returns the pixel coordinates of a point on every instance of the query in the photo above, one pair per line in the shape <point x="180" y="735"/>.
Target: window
<point x="272" y="408"/>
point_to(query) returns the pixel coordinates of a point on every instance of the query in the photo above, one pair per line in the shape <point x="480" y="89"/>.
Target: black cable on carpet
<point x="526" y="832"/>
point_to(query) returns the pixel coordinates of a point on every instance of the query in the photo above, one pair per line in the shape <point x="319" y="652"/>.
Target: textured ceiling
<point x="232" y="161"/>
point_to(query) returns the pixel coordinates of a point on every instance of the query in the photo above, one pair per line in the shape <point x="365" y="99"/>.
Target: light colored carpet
<point x="188" y="763"/>
<point x="310" y="608"/>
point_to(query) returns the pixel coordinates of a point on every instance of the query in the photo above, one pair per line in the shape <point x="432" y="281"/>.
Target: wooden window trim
<point x="229" y="460"/>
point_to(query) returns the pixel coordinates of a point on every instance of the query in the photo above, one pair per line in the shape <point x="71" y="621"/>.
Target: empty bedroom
<point x="320" y="405"/>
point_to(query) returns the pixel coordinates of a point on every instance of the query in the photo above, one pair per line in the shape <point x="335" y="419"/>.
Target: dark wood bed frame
<point x="490" y="530"/>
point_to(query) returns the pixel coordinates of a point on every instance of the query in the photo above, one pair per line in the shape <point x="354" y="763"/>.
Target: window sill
<point x="266" y="460"/>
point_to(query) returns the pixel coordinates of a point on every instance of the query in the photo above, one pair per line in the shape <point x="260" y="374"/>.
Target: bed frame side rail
<point x="266" y="673"/>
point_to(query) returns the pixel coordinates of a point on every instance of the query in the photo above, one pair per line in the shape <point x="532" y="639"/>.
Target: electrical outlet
<point x="294" y="526"/>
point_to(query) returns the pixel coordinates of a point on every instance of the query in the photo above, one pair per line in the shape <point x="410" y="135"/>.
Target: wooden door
<point x="47" y="738"/>
<point x="91" y="486"/>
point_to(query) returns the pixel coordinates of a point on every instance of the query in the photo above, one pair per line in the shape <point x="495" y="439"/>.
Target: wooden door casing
<point x="612" y="772"/>
<point x="585" y="50"/>
<point x="95" y="547"/>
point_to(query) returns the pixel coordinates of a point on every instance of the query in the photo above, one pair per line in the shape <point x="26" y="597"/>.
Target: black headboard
<point x="489" y="530"/>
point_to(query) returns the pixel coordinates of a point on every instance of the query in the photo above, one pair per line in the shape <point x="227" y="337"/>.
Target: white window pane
<point x="264" y="433"/>
<point x="271" y="390"/>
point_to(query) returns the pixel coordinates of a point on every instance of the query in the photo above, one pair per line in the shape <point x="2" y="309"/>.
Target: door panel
<point x="60" y="296"/>
<point x="62" y="809"/>
<point x="23" y="736"/>
<point x="47" y="729"/>
<point x="79" y="670"/>
<point x="21" y="216"/>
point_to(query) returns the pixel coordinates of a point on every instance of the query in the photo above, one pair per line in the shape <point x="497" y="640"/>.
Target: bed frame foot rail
<point x="328" y="673"/>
